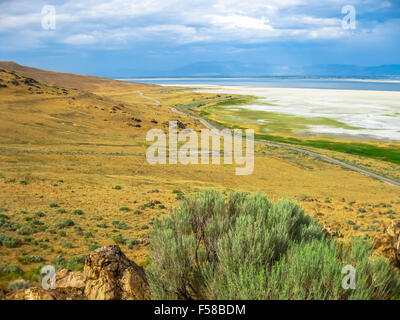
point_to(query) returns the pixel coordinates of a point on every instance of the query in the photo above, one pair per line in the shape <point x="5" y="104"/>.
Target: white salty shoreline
<point x="375" y="114"/>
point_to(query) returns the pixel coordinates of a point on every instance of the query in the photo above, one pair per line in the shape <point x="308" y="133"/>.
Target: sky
<point x="121" y="38"/>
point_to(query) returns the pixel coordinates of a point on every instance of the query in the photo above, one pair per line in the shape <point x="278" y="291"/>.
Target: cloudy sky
<point x="137" y="37"/>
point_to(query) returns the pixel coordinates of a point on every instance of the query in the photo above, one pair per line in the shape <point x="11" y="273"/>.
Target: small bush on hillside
<point x="131" y="243"/>
<point x="19" y="284"/>
<point x="88" y="234"/>
<point x="75" y="263"/>
<point x="102" y="225"/>
<point x="64" y="224"/>
<point x="119" y="239"/>
<point x="6" y="269"/>
<point x="30" y="259"/>
<point x="246" y="247"/>
<point x="94" y="246"/>
<point x="25" y="231"/>
<point x="62" y="233"/>
<point x="67" y="245"/>
<point x="9" y="242"/>
<point x="39" y="214"/>
<point x="180" y="196"/>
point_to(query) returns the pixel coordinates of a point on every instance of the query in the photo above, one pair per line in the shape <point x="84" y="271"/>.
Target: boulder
<point x="32" y="293"/>
<point x="110" y="275"/>
<point x="69" y="279"/>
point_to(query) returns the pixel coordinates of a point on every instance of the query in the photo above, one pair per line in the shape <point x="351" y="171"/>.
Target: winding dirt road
<point x="157" y="102"/>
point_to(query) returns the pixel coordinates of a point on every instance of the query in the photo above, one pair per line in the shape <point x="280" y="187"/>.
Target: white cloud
<point x="80" y="39"/>
<point x="122" y="22"/>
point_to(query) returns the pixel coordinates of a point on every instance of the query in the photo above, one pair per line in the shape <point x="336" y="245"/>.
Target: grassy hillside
<point x="56" y="206"/>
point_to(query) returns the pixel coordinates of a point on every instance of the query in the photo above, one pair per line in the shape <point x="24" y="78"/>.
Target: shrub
<point x="131" y="243"/>
<point x="9" y="242"/>
<point x="30" y="259"/>
<point x="180" y="196"/>
<point x="88" y="234"/>
<point x="67" y="245"/>
<point x="137" y="212"/>
<point x="119" y="239"/>
<point x="121" y="225"/>
<point x="245" y="247"/>
<point x="102" y="225"/>
<point x="53" y="205"/>
<point x="6" y="269"/>
<point x="117" y="187"/>
<point x="62" y="211"/>
<point x="39" y="214"/>
<point x="94" y="246"/>
<point x="76" y="263"/>
<point x="124" y="209"/>
<point x="24" y="231"/>
<point x="78" y="212"/>
<point x="59" y="263"/>
<point x="19" y="284"/>
<point x="362" y="210"/>
<point x="64" y="224"/>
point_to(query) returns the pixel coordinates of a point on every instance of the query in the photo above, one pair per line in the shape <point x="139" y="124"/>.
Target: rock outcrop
<point x="110" y="275"/>
<point x="69" y="279"/>
<point x="33" y="293"/>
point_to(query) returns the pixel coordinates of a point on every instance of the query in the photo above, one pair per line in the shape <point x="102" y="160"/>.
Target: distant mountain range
<point x="238" y="69"/>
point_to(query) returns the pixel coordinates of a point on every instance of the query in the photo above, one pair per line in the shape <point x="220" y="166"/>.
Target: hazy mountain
<point x="239" y="69"/>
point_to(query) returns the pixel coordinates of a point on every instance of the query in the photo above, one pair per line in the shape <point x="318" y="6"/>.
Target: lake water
<point x="278" y="82"/>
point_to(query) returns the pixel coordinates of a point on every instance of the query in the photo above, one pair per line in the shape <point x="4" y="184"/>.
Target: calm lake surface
<point x="277" y="82"/>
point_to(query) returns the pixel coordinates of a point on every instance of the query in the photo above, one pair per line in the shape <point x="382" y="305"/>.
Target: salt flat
<point x="373" y="114"/>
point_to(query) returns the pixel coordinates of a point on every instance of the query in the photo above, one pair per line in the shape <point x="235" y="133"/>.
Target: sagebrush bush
<point x="6" y="269"/>
<point x="75" y="263"/>
<point x="246" y="247"/>
<point x="30" y="258"/>
<point x="19" y="284"/>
